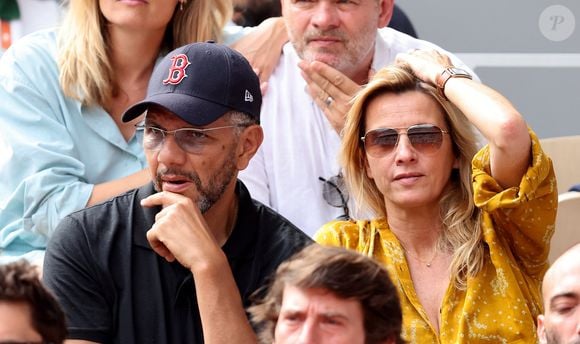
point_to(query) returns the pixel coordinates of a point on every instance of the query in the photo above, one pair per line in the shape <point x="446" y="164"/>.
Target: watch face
<point x="457" y="71"/>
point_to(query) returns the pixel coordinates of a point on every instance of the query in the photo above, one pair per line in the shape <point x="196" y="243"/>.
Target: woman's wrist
<point x="446" y="74"/>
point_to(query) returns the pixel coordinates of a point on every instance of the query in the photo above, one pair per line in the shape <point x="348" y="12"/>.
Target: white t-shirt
<point x="301" y="145"/>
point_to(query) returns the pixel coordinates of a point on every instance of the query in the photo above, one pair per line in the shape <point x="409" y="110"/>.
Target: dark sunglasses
<point x="425" y="138"/>
<point x="335" y="194"/>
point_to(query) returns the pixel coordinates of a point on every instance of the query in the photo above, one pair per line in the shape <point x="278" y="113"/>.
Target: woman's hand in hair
<point x="427" y="65"/>
<point x="494" y="116"/>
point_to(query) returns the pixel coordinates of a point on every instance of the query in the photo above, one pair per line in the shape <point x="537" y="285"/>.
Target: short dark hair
<point x="241" y="119"/>
<point x="344" y="273"/>
<point x="19" y="282"/>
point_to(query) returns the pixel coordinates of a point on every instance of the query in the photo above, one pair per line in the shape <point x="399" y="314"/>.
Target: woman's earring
<point x="181" y="2"/>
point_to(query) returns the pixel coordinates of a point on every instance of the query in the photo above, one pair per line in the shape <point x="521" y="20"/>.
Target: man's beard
<point x="207" y="195"/>
<point x="343" y="60"/>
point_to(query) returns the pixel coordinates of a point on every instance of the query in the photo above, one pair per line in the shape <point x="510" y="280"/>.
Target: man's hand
<point x="180" y="231"/>
<point x="331" y="90"/>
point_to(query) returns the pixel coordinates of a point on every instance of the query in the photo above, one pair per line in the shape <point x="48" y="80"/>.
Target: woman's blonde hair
<point x="84" y="63"/>
<point x="462" y="233"/>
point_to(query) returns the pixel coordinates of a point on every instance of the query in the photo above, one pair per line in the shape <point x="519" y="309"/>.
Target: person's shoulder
<point x="337" y="228"/>
<point x="285" y="71"/>
<point x="402" y="42"/>
<point x="106" y="217"/>
<point x="110" y="225"/>
<point x="34" y="46"/>
<point x="346" y="233"/>
<point x="278" y="239"/>
<point x="102" y="232"/>
<point x="280" y="227"/>
<point x="30" y="57"/>
<point x="119" y="201"/>
<point x="274" y="234"/>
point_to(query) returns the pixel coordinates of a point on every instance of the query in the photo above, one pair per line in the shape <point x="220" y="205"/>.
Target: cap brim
<point x="195" y="111"/>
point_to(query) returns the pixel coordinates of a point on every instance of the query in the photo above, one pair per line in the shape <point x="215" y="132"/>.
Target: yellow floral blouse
<point x="502" y="301"/>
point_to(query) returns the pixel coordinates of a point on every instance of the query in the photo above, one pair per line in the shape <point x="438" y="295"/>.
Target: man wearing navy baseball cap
<point x="175" y="261"/>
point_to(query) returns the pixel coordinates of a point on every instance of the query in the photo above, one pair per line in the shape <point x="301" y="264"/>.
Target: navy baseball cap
<point x="199" y="82"/>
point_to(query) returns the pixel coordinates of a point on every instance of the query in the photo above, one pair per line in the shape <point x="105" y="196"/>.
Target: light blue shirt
<point x="53" y="150"/>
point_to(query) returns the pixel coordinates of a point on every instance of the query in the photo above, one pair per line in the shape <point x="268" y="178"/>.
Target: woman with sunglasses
<point x="464" y="234"/>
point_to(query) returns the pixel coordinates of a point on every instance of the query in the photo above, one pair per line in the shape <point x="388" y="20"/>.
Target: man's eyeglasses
<point x="425" y="138"/>
<point x="334" y="193"/>
<point x="191" y="140"/>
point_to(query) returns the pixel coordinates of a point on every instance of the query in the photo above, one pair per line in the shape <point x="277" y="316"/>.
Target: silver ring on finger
<point x="328" y="101"/>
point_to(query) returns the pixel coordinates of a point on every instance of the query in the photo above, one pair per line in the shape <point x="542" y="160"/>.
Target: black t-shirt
<point x="115" y="289"/>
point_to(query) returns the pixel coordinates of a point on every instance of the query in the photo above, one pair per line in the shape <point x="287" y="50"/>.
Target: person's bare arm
<point x="220" y="305"/>
<point x="104" y="191"/>
<point x="494" y="115"/>
<point x="181" y="233"/>
<point x="500" y="123"/>
<point x="263" y="47"/>
<point x="78" y="341"/>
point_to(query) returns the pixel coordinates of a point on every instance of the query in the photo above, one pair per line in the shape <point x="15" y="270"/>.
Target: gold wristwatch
<point x="448" y="73"/>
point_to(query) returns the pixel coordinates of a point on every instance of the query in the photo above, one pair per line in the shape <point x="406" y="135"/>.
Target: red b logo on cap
<point x="177" y="69"/>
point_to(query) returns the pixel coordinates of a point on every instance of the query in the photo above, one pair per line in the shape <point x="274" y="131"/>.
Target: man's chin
<point x="204" y="205"/>
<point x="330" y="58"/>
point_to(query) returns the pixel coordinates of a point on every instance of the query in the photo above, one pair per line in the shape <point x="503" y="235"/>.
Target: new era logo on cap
<point x="248" y="97"/>
<point x="177" y="69"/>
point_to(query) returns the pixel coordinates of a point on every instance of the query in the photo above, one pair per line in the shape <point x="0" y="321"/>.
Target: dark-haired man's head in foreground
<point x="28" y="312"/>
<point x="329" y="295"/>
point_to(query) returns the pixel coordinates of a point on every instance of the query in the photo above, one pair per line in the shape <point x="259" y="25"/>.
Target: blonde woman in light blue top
<point x="63" y="145"/>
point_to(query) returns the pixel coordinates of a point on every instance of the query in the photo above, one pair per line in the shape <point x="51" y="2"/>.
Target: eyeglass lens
<point x="335" y="194"/>
<point x="190" y="140"/>
<point x="425" y="138"/>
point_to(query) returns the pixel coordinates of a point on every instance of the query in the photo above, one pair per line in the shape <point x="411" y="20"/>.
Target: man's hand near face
<point x="331" y="90"/>
<point x="181" y="233"/>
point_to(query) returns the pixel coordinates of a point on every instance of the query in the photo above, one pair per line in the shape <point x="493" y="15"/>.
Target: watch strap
<point x="448" y="73"/>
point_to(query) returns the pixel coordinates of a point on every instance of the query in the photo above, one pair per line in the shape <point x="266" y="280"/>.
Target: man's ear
<point x="541" y="330"/>
<point x="249" y="142"/>
<point x="385" y="12"/>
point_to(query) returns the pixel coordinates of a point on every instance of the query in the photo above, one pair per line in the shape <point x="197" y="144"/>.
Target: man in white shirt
<point x="303" y="110"/>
